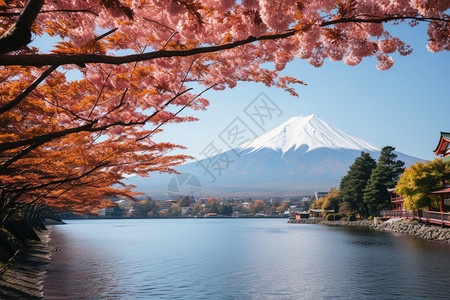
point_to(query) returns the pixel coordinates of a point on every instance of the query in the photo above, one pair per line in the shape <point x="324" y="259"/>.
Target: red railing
<point x="397" y="200"/>
<point x="435" y="217"/>
<point x="397" y="214"/>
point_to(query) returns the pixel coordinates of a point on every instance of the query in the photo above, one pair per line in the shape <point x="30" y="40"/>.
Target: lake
<point x="241" y="259"/>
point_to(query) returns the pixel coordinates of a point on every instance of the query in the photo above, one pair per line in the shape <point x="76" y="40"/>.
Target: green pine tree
<point x="395" y="167"/>
<point x="383" y="177"/>
<point x="352" y="185"/>
<point x="376" y="195"/>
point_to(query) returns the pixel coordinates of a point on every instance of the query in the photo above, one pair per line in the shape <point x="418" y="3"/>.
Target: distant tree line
<point x="187" y="206"/>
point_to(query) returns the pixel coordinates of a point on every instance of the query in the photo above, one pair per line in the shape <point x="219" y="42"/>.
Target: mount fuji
<point x="310" y="133"/>
<point x="302" y="155"/>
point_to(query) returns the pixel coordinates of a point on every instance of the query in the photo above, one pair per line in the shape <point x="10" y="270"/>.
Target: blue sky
<point x="405" y="107"/>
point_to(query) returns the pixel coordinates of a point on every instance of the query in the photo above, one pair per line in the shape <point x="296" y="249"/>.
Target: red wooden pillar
<point x="442" y="204"/>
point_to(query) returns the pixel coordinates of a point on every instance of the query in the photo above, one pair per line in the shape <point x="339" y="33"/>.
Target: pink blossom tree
<point x="136" y="60"/>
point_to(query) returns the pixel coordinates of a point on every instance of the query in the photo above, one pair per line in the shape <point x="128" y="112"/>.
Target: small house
<point x="316" y="213"/>
<point x="302" y="215"/>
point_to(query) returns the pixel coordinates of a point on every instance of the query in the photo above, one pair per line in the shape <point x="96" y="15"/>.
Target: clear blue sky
<point x="405" y="107"/>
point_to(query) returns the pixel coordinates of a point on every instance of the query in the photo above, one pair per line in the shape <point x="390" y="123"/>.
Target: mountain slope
<point x="312" y="133"/>
<point x="302" y="155"/>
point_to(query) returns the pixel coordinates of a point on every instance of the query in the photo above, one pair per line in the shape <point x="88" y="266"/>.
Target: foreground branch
<point x="39" y="60"/>
<point x="27" y="91"/>
<point x="89" y="127"/>
<point x="19" y="34"/>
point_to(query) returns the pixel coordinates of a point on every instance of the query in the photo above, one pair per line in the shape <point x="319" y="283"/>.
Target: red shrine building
<point x="443" y="148"/>
<point x="396" y="200"/>
<point x="443" y="192"/>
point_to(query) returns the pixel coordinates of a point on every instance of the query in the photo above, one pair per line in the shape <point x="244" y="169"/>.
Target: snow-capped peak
<point x="311" y="131"/>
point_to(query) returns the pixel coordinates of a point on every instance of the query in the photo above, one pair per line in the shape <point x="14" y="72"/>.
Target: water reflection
<point x="241" y="259"/>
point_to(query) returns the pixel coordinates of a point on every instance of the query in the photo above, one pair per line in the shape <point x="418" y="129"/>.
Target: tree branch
<point x="62" y="181"/>
<point x="39" y="60"/>
<point x="65" y="109"/>
<point x="18" y="156"/>
<point x="90" y="127"/>
<point x="79" y="59"/>
<point x="11" y="14"/>
<point x="105" y="34"/>
<point x="45" y="137"/>
<point x="27" y="91"/>
<point x="44" y="75"/>
<point x="19" y="34"/>
<point x="180" y="110"/>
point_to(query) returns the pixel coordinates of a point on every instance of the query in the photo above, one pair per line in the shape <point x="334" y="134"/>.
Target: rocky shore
<point x="429" y="232"/>
<point x="24" y="277"/>
<point x="412" y="227"/>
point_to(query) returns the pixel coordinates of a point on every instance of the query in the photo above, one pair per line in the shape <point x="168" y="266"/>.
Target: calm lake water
<point x="241" y="259"/>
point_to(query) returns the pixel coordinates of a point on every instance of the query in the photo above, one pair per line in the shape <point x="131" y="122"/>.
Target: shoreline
<point x="406" y="226"/>
<point x="24" y="278"/>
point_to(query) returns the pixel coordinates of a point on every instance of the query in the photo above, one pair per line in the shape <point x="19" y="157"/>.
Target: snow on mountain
<point x="304" y="154"/>
<point x="310" y="131"/>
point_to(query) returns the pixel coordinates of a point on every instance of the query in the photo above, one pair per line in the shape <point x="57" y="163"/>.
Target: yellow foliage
<point x="419" y="179"/>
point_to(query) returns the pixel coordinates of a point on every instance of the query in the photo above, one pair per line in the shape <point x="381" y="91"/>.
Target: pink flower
<point x="351" y="59"/>
<point x="384" y="62"/>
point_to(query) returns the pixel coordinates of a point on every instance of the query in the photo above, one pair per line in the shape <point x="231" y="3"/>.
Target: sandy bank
<point x="429" y="232"/>
<point x="25" y="276"/>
